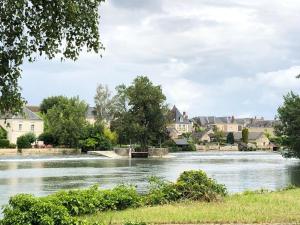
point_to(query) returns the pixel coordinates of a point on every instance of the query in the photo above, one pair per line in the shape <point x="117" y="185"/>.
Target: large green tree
<point x="66" y="120"/>
<point x="144" y="116"/>
<point x="29" y="28"/>
<point x="289" y="127"/>
<point x="245" y="135"/>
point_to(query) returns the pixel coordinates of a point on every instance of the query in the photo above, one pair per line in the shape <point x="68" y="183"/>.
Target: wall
<point x="158" y="152"/>
<point x="122" y="151"/>
<point x="269" y="130"/>
<point x="40" y="151"/>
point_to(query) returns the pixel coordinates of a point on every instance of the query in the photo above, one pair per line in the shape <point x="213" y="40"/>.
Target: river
<point x="239" y="171"/>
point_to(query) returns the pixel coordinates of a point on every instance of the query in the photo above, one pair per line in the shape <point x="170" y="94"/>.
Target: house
<point x="257" y="138"/>
<point x="265" y="126"/>
<point x="180" y="122"/>
<point x="225" y="124"/>
<point x="203" y="136"/>
<point x="23" y="123"/>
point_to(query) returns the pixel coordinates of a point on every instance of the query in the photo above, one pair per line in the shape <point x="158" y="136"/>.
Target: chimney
<point x="185" y="115"/>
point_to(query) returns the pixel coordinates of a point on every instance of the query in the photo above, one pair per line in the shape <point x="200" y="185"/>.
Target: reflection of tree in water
<point x="294" y="173"/>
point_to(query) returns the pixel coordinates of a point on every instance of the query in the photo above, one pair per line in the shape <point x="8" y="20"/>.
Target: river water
<point x="239" y="171"/>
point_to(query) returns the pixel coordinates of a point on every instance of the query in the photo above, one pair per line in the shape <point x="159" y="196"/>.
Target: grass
<point x="249" y="207"/>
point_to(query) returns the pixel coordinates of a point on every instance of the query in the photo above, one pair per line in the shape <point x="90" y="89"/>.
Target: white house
<point x="23" y="123"/>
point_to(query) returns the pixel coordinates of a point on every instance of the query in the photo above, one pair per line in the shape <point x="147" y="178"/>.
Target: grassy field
<point x="275" y="207"/>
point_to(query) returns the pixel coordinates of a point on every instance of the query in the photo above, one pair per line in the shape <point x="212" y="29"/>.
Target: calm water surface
<point x="238" y="171"/>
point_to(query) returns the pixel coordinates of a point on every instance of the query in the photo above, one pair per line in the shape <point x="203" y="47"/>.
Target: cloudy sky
<point x="212" y="57"/>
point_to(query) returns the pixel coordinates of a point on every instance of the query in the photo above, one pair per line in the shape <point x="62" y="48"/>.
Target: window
<point x="20" y="127"/>
<point x="32" y="127"/>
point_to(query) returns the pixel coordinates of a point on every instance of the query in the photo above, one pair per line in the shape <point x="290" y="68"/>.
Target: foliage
<point x="50" y="102"/>
<point x="48" y="138"/>
<point x="66" y="121"/>
<point x="31" y="28"/>
<point x="161" y="192"/>
<point x="61" y="208"/>
<point x="218" y="135"/>
<point x="144" y="117"/>
<point x="3" y="133"/>
<point x="245" y="135"/>
<point x="4" y="143"/>
<point x="26" y="140"/>
<point x="104" y="104"/>
<point x="97" y="137"/>
<point x="171" y="145"/>
<point x="230" y="138"/>
<point x="110" y="135"/>
<point x="289" y="128"/>
<point x="196" y="185"/>
<point x="135" y="223"/>
<point x="189" y="148"/>
<point x="25" y="209"/>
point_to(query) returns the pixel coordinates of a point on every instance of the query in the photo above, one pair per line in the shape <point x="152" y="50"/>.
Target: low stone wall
<point x="153" y="152"/>
<point x="122" y="151"/>
<point x="158" y="152"/>
<point x="8" y="151"/>
<point x="217" y="147"/>
<point x="40" y="151"/>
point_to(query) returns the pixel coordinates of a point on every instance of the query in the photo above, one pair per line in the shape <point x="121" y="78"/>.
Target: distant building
<point x="180" y="123"/>
<point x="225" y="124"/>
<point x="257" y="138"/>
<point x="23" y="123"/>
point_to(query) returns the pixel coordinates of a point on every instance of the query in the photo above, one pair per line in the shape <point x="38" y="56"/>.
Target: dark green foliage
<point x="135" y="223"/>
<point x="48" y="138"/>
<point x="3" y="133"/>
<point x="196" y="185"/>
<point x="245" y="135"/>
<point x="144" y="116"/>
<point x="4" y="143"/>
<point x="66" y="121"/>
<point x="26" y="140"/>
<point x="94" y="138"/>
<point x="289" y="128"/>
<point x="31" y="28"/>
<point x="171" y="145"/>
<point x="230" y="138"/>
<point x="161" y="192"/>
<point x="50" y="102"/>
<point x="25" y="209"/>
<point x="188" y="148"/>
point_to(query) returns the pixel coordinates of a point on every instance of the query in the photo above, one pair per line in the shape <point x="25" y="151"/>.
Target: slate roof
<point x="177" y="117"/>
<point x="27" y="114"/>
<point x="262" y="123"/>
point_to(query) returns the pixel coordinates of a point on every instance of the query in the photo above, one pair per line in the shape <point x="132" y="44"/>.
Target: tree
<point x="245" y="135"/>
<point x="144" y="117"/>
<point x="50" y="102"/>
<point x="230" y="138"/>
<point x="218" y="135"/>
<point x="66" y="121"/>
<point x="105" y="104"/>
<point x="289" y="127"/>
<point x="31" y="28"/>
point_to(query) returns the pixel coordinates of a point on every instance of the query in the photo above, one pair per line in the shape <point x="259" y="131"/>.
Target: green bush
<point x="48" y="138"/>
<point x="196" y="185"/>
<point x="25" y="141"/>
<point x="161" y="192"/>
<point x="190" y="147"/>
<point x="4" y="143"/>
<point x="63" y="207"/>
<point x="3" y="133"/>
<point x="25" y="209"/>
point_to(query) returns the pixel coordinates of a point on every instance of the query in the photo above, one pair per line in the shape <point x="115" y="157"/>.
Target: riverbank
<point x="39" y="151"/>
<point x="281" y="207"/>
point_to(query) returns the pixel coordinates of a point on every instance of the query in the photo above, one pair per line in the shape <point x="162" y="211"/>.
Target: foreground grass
<point x="275" y="207"/>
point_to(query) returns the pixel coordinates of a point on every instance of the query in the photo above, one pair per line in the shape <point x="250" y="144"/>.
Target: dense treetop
<point x="29" y="28"/>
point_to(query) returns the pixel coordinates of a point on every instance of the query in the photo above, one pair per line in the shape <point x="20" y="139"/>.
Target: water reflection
<point x="238" y="171"/>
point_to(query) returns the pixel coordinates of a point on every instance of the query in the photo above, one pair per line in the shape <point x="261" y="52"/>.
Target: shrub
<point x="171" y="145"/>
<point x="190" y="147"/>
<point x="25" y="141"/>
<point x="196" y="185"/>
<point x="25" y="209"/>
<point x="160" y="192"/>
<point x="4" y="143"/>
<point x="3" y="133"/>
<point x="48" y="138"/>
<point x="12" y="145"/>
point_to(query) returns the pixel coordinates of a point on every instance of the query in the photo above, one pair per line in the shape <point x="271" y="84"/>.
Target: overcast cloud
<point x="212" y="57"/>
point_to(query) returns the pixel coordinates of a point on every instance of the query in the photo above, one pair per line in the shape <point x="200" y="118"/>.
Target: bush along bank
<point x="62" y="208"/>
